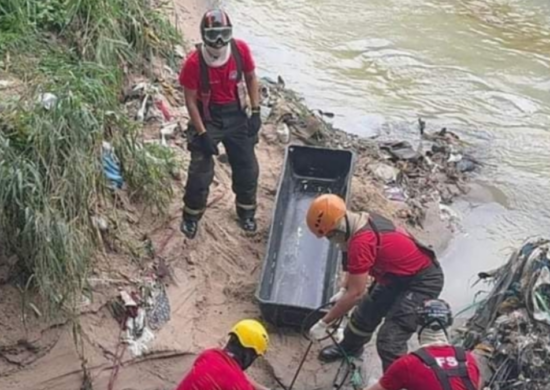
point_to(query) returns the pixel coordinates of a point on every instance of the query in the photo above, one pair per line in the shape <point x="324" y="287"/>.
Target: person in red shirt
<point x="437" y="365"/>
<point x="405" y="272"/>
<point x="223" y="369"/>
<point x="217" y="77"/>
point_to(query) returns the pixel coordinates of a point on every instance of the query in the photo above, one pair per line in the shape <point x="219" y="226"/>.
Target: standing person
<point x="223" y="369"/>
<point x="437" y="365"/>
<point x="216" y="78"/>
<point x="406" y="273"/>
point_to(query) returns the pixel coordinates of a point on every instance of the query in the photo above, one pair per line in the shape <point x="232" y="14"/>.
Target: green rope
<point x="475" y="304"/>
<point x="542" y="301"/>
<point x="356" y="379"/>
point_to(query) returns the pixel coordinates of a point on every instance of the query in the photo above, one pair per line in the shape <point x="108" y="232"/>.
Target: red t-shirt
<point x="223" y="80"/>
<point x="409" y="372"/>
<point x="214" y="369"/>
<point x="398" y="254"/>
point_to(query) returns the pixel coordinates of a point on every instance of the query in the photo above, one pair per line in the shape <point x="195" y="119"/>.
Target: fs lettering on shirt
<point x="447" y="362"/>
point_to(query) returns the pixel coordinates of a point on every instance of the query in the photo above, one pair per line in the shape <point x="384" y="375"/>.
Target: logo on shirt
<point x="445" y="362"/>
<point x="233" y="75"/>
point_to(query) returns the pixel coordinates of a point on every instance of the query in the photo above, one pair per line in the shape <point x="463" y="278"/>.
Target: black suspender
<point x="443" y="375"/>
<point x="205" y="92"/>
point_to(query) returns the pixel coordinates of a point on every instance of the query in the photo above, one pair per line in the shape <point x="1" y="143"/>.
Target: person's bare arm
<point x="355" y="289"/>
<point x="253" y="88"/>
<point x="376" y="386"/>
<point x="191" y="99"/>
<point x="344" y="282"/>
<point x="256" y="385"/>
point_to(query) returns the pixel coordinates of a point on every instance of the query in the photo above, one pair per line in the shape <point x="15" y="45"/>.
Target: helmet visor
<point x="217" y="35"/>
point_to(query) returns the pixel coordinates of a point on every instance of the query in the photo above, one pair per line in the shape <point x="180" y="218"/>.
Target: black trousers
<point x="229" y="125"/>
<point x="396" y="304"/>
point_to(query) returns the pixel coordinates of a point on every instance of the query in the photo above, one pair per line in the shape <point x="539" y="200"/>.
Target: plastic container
<point x="300" y="271"/>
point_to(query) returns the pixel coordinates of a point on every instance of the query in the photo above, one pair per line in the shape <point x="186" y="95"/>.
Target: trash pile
<point x="510" y="329"/>
<point x="157" y="103"/>
<point x="139" y="313"/>
<point x="435" y="170"/>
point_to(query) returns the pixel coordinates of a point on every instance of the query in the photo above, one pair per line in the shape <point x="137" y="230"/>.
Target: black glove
<point x="207" y="145"/>
<point x="254" y="124"/>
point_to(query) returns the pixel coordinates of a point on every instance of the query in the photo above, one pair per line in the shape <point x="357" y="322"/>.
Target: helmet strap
<point x="242" y="355"/>
<point x="419" y="332"/>
<point x="428" y="336"/>
<point x="348" y="228"/>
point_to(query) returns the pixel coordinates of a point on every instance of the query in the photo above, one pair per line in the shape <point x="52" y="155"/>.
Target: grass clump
<point x="50" y="159"/>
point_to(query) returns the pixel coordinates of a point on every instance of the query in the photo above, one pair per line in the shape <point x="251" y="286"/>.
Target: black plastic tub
<point x="300" y="271"/>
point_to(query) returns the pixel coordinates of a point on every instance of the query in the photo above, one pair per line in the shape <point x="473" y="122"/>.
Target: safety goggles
<point x="217" y="34"/>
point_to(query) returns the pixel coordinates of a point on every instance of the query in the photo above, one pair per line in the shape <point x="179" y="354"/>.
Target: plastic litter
<point x="140" y="115"/>
<point x="456" y="157"/>
<point x="448" y="214"/>
<point x="6" y="84"/>
<point x="265" y="112"/>
<point x="283" y="133"/>
<point x="163" y="107"/>
<point x="127" y="299"/>
<point x="100" y="222"/>
<point x="179" y="51"/>
<point x="139" y="313"/>
<point x="384" y="172"/>
<point x="167" y="132"/>
<point x="48" y="100"/>
<point x="395" y="193"/>
<point x="111" y="166"/>
<point x="157" y="305"/>
<point x="510" y="329"/>
<point x="401" y="150"/>
<point x="465" y="165"/>
<point x="138" y="335"/>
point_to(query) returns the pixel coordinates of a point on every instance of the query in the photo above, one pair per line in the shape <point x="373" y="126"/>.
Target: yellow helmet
<point x="251" y="334"/>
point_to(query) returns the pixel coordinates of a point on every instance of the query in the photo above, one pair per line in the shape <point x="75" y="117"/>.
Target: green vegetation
<point x="51" y="179"/>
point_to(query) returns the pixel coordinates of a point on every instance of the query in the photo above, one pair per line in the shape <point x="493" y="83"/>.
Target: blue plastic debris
<point x="111" y="166"/>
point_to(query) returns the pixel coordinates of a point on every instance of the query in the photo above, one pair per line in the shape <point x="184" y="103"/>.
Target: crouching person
<point x="405" y="271"/>
<point x="224" y="369"/>
<point x="437" y="365"/>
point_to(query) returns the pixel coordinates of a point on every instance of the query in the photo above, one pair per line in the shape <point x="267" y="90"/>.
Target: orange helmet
<point x="324" y="214"/>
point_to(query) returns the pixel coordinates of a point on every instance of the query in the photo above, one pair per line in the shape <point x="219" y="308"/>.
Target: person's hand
<point x="254" y="123"/>
<point x="318" y="331"/>
<point x="336" y="297"/>
<point x="207" y="145"/>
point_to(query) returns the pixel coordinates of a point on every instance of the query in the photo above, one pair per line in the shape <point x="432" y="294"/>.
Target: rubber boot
<point x="189" y="228"/>
<point x="248" y="224"/>
<point x="351" y="345"/>
<point x="246" y="219"/>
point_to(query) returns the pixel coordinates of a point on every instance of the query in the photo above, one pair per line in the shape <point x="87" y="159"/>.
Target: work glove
<point x="254" y="123"/>
<point x="336" y="297"/>
<point x="206" y="144"/>
<point x="318" y="331"/>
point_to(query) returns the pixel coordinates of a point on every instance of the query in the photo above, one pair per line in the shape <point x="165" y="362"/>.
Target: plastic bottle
<point x="283" y="133"/>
